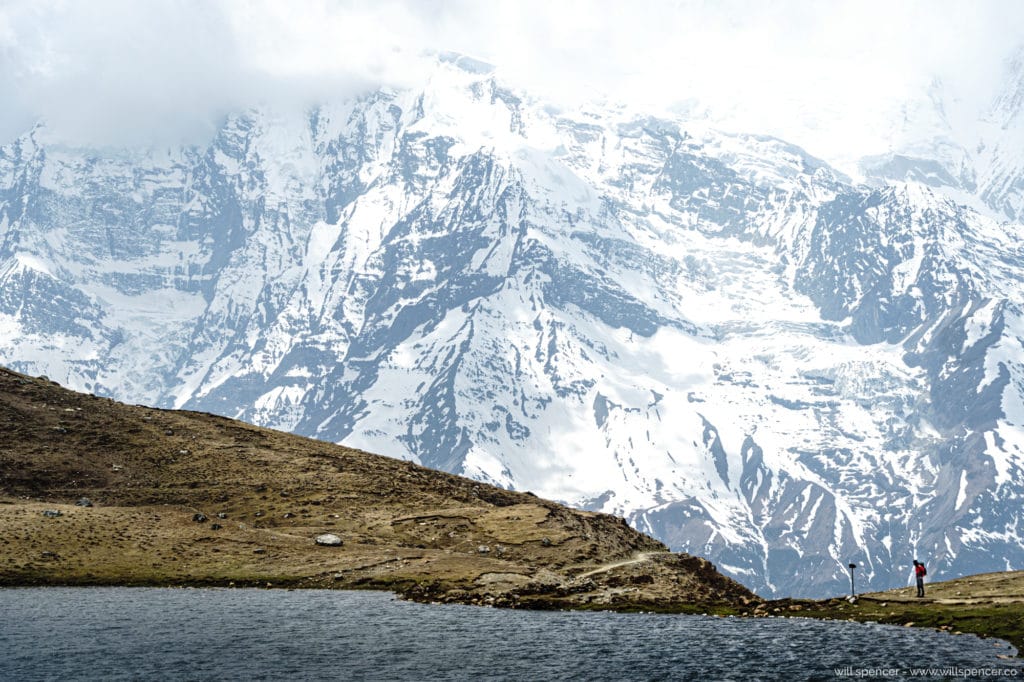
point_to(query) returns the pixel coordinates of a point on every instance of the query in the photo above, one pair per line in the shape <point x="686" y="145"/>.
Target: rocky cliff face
<point x="717" y="336"/>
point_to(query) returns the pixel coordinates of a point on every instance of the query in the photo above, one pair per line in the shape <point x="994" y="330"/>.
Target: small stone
<point x="259" y="513"/>
<point x="221" y="515"/>
<point x="483" y="549"/>
<point x="909" y="624"/>
<point x="50" y="555"/>
<point x="169" y="432"/>
<point x="83" y="502"/>
<point x="329" y="540"/>
<point x="199" y="518"/>
<point x="259" y="550"/>
<point x="51" y="513"/>
<point x="546" y="542"/>
<point x="288" y="515"/>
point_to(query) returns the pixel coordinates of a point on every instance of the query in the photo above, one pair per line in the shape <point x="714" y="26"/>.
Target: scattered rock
<point x="259" y="513"/>
<point x="546" y="542"/>
<point x="51" y="513"/>
<point x="221" y="515"/>
<point x="169" y="432"/>
<point x="259" y="550"/>
<point x="199" y="518"/>
<point x="50" y="555"/>
<point x="83" y="502"/>
<point x="329" y="540"/>
<point x="483" y="549"/>
<point x="261" y="488"/>
<point x="288" y="515"/>
<point x="215" y="526"/>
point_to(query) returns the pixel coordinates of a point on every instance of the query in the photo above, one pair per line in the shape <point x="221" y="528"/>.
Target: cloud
<point x="124" y="72"/>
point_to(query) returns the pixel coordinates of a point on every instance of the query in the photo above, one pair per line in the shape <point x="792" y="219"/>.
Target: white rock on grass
<point x="328" y="540"/>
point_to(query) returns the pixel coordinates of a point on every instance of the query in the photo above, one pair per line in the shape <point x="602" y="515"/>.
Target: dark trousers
<point x="920" y="586"/>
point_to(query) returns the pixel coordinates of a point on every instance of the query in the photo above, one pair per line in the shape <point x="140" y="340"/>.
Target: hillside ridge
<point x="188" y="498"/>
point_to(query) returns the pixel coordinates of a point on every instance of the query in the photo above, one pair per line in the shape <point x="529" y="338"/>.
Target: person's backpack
<point x="924" y="571"/>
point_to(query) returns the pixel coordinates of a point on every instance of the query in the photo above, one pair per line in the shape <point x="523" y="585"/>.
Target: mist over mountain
<point x="739" y="348"/>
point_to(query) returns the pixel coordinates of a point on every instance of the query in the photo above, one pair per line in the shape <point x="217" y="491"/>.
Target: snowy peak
<point x="715" y="335"/>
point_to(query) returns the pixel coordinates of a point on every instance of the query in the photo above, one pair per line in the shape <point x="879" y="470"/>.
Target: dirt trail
<point x="637" y="558"/>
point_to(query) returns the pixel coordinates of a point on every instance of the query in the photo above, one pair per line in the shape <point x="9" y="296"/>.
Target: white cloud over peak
<point x="833" y="75"/>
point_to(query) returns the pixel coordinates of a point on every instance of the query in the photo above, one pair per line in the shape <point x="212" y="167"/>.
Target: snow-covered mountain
<point x="715" y="335"/>
<point x="968" y="152"/>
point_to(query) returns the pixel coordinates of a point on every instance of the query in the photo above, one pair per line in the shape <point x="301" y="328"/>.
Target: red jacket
<point x="919" y="570"/>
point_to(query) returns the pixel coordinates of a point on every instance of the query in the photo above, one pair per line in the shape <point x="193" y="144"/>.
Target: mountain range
<point x="743" y="351"/>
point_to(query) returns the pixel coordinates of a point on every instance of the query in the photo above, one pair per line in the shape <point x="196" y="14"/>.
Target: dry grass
<point x="426" y="534"/>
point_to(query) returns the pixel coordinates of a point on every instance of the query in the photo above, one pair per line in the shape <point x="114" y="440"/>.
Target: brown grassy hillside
<point x="266" y="495"/>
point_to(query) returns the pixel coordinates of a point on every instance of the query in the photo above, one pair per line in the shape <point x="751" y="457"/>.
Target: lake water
<point x="235" y="634"/>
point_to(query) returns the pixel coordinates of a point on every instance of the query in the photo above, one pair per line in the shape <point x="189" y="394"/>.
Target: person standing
<point x="920" y="572"/>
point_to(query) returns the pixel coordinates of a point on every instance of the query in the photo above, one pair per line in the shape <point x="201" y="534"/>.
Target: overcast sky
<point x="831" y="74"/>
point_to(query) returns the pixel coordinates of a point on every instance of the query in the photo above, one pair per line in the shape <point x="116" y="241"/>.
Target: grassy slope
<point x="426" y="534"/>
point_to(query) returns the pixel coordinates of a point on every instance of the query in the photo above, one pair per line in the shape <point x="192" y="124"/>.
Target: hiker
<point x="920" y="572"/>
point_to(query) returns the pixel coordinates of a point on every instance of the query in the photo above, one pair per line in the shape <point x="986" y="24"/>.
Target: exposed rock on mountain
<point x="716" y="336"/>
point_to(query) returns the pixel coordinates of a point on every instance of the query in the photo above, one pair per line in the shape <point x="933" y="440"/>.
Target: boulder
<point x="329" y="540"/>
